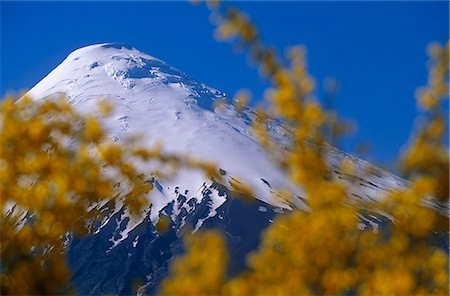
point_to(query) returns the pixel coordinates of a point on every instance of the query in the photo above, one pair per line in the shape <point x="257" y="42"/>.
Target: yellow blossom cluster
<point x="323" y="252"/>
<point x="51" y="178"/>
<point x="58" y="170"/>
<point x="427" y="155"/>
<point x="197" y="273"/>
<point x="236" y="24"/>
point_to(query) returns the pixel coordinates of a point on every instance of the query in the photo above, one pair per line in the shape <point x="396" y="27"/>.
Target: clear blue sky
<point x="375" y="49"/>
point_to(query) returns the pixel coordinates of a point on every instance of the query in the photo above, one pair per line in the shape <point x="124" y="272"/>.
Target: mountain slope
<point x="168" y="108"/>
<point x="155" y="100"/>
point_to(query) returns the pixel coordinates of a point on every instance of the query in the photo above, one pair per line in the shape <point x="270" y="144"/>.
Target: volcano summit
<point x="166" y="107"/>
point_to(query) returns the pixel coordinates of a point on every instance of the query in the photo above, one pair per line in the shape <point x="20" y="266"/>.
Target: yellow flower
<point x="93" y="131"/>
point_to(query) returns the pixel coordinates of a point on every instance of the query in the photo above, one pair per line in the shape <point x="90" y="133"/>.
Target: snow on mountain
<point x="167" y="107"/>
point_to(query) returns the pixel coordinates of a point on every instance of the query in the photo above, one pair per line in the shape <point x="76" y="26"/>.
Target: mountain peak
<point x="85" y="50"/>
<point x="167" y="107"/>
<point x="99" y="63"/>
<point x="119" y="69"/>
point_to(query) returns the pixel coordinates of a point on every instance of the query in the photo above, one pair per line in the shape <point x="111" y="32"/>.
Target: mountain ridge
<point x="168" y="108"/>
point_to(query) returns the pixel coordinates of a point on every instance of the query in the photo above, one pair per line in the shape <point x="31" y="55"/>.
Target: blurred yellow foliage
<point x="57" y="169"/>
<point x="324" y="252"/>
<point x="197" y="273"/>
<point x="52" y="177"/>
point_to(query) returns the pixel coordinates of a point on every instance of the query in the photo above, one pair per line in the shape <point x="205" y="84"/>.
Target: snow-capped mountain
<point x="167" y="107"/>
